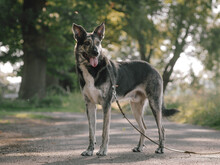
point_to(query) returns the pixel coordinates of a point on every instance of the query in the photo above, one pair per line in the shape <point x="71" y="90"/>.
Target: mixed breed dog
<point x="135" y="80"/>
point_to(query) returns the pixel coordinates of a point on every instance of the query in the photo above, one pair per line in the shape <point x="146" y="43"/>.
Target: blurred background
<point x="178" y="37"/>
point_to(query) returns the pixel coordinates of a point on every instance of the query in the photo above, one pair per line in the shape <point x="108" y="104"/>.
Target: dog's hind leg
<point x="91" y="115"/>
<point x="156" y="107"/>
<point x="137" y="109"/>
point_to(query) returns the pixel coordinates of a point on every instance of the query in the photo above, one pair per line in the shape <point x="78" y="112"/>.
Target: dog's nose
<point x="95" y="51"/>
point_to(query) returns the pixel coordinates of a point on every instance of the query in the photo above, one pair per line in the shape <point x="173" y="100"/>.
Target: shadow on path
<point x="61" y="139"/>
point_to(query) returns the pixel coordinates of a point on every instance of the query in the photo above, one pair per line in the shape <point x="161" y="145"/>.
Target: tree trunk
<point x="33" y="78"/>
<point x="34" y="69"/>
<point x="169" y="70"/>
<point x="150" y="55"/>
<point x="169" y="67"/>
<point x="142" y="49"/>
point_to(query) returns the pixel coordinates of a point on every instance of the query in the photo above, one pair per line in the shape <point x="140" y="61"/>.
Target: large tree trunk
<point x="169" y="67"/>
<point x="34" y="77"/>
<point x="34" y="71"/>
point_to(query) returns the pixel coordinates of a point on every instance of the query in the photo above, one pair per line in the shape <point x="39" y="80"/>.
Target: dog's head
<point x="88" y="46"/>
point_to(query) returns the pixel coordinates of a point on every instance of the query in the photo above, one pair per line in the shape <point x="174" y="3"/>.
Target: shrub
<point x="198" y="108"/>
<point x="72" y="102"/>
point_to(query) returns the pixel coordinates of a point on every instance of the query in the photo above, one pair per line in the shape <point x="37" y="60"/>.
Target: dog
<point x="136" y="81"/>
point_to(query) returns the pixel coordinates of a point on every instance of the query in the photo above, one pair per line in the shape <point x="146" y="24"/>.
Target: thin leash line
<point x="168" y="148"/>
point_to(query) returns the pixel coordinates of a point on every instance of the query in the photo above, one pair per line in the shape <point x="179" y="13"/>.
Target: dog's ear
<point x="100" y="31"/>
<point x="79" y="32"/>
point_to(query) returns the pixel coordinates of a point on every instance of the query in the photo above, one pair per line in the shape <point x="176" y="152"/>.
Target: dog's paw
<point x="159" y="150"/>
<point x="87" y="153"/>
<point x="137" y="149"/>
<point x="102" y="152"/>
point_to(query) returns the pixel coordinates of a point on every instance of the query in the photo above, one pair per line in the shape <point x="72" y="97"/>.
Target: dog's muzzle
<point x="93" y="60"/>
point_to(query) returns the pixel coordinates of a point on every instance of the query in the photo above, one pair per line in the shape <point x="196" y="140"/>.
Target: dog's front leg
<point x="91" y="115"/>
<point x="105" y="132"/>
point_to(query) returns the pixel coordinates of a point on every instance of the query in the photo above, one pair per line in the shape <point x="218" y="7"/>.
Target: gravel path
<point x="61" y="139"/>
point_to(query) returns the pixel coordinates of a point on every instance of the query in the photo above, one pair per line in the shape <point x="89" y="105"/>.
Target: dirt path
<point x="61" y="139"/>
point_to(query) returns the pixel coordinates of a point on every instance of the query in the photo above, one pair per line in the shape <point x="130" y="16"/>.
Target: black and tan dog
<point x="136" y="80"/>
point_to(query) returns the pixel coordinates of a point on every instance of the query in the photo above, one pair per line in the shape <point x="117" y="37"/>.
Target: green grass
<point x="72" y="102"/>
<point x="25" y="115"/>
<point x="199" y="109"/>
<point x="8" y="118"/>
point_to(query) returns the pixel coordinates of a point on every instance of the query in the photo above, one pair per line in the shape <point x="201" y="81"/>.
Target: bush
<point x="54" y="98"/>
<point x="72" y="102"/>
<point x="16" y="104"/>
<point x="56" y="90"/>
<point x="198" y="108"/>
<point x="51" y="101"/>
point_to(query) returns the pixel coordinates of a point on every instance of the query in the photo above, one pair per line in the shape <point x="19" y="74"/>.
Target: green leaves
<point x="130" y="25"/>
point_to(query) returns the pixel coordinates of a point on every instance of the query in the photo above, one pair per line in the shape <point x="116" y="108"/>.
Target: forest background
<point x="178" y="37"/>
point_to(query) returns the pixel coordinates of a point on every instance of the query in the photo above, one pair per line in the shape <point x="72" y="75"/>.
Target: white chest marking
<point x="89" y="90"/>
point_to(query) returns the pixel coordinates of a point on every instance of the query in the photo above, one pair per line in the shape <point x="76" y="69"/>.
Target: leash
<point x="168" y="148"/>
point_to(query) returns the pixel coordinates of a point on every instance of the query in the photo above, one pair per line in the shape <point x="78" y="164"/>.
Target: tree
<point x="34" y="49"/>
<point x="185" y="18"/>
<point x="39" y="34"/>
<point x="139" y="24"/>
<point x="150" y="22"/>
<point x="10" y="33"/>
<point x="210" y="42"/>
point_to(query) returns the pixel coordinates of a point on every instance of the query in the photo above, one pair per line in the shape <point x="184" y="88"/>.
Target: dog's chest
<point x="89" y="90"/>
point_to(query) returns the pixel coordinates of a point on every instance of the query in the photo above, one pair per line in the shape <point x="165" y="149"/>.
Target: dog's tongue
<point x="93" y="61"/>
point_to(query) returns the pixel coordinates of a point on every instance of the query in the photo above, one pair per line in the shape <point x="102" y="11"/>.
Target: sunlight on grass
<point x="200" y="109"/>
<point x="72" y="102"/>
<point x="4" y="121"/>
<point x="22" y="115"/>
<point x="31" y="116"/>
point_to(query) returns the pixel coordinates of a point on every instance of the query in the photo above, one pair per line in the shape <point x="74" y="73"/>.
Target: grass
<point x="23" y="115"/>
<point x="198" y="108"/>
<point x="72" y="102"/>
<point x="10" y="117"/>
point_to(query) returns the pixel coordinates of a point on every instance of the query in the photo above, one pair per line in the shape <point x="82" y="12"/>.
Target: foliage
<point x="133" y="28"/>
<point x="210" y="42"/>
<point x="43" y="30"/>
<point x="185" y="19"/>
<point x="72" y="102"/>
<point x="138" y="23"/>
<point x="10" y="34"/>
<point x="149" y="23"/>
<point x="56" y="90"/>
<point x="200" y="108"/>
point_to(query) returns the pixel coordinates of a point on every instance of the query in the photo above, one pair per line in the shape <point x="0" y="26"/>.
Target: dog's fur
<point x="136" y="80"/>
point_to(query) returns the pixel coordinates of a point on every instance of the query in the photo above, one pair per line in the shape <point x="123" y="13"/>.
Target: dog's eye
<point x="97" y="43"/>
<point x="87" y="43"/>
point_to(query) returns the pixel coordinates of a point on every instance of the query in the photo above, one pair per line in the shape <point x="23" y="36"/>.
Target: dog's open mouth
<point x="93" y="61"/>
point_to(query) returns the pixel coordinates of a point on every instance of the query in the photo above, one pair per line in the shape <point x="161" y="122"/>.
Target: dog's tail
<point x="169" y="112"/>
